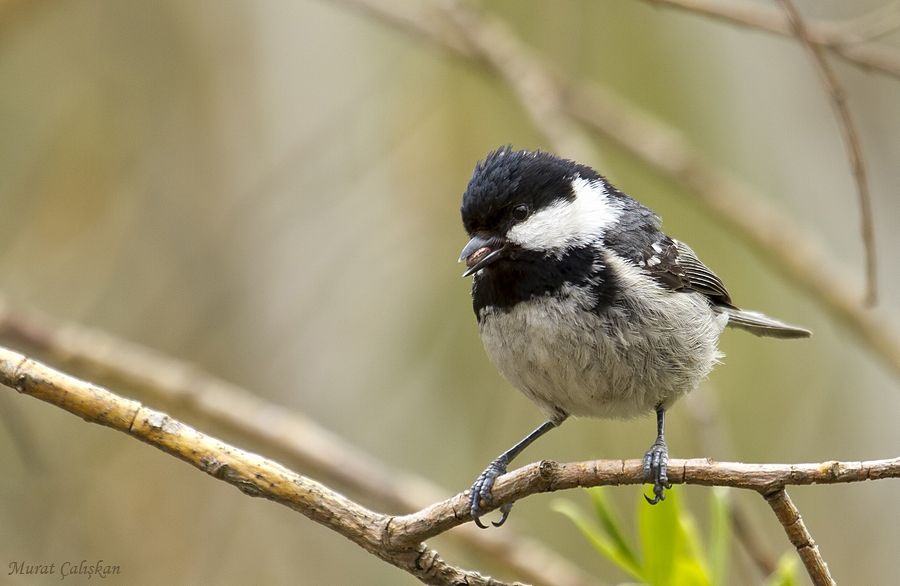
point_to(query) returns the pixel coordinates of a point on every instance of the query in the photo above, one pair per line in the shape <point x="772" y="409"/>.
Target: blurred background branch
<point x="842" y="39"/>
<point x="838" y="97"/>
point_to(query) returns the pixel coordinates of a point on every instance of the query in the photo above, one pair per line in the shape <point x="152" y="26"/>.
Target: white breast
<point x="621" y="362"/>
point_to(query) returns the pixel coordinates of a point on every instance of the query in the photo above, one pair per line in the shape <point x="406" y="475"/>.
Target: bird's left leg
<point x="656" y="461"/>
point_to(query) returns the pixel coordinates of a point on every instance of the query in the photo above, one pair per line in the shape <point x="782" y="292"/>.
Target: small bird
<point x="585" y="305"/>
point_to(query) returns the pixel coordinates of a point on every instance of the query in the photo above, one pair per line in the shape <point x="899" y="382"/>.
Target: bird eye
<point x="520" y="212"/>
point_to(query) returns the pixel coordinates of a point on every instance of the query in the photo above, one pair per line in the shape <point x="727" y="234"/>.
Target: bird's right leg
<point x="656" y="461"/>
<point x="481" y="489"/>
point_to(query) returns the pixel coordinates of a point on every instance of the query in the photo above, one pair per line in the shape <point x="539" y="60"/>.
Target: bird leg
<point x="481" y="489"/>
<point x="656" y="461"/>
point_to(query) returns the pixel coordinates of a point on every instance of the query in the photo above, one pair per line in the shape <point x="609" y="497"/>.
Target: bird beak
<point x="480" y="252"/>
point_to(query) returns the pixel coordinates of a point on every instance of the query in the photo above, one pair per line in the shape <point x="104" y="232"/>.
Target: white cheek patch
<point x="568" y="223"/>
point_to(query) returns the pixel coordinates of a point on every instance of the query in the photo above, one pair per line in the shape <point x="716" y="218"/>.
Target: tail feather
<point x="762" y="325"/>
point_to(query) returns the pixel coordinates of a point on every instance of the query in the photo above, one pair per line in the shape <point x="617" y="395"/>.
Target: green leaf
<point x="670" y="543"/>
<point x="660" y="537"/>
<point x="719" y="535"/>
<point x="690" y="572"/>
<point x="671" y="551"/>
<point x="691" y="546"/>
<point x="691" y="568"/>
<point x="610" y="524"/>
<point x="604" y="544"/>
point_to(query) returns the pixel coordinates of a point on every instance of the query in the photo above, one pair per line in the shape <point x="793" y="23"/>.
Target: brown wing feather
<point x="676" y="266"/>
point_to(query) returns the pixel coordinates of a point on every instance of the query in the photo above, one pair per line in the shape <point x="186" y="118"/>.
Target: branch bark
<point x="789" y="517"/>
<point x="396" y="539"/>
<point x="549" y="476"/>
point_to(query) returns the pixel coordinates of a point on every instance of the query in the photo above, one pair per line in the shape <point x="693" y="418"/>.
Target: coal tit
<point x="584" y="304"/>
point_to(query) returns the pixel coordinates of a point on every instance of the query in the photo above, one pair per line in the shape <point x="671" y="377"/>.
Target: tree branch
<point x="838" y="98"/>
<point x="831" y="36"/>
<point x="789" y="517"/>
<point x="398" y="539"/>
<point x="549" y="476"/>
<point x="875" y="24"/>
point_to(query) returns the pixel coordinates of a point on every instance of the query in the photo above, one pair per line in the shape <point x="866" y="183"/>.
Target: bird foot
<point x="481" y="491"/>
<point x="656" y="463"/>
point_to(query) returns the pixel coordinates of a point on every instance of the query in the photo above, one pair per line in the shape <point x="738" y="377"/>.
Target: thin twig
<point x="101" y="356"/>
<point x="398" y="539"/>
<point x="787" y="247"/>
<point x="789" y="517"/>
<point x="747" y="537"/>
<point x="838" y="98"/>
<point x="875" y="24"/>
<point x="833" y="37"/>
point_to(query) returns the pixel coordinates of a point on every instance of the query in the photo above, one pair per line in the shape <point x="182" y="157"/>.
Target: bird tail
<point x="762" y="325"/>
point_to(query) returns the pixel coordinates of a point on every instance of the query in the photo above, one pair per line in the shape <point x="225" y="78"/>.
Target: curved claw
<point x="504" y="510"/>
<point x="656" y="463"/>
<point x="658" y="494"/>
<point x="481" y="491"/>
<point x="475" y="502"/>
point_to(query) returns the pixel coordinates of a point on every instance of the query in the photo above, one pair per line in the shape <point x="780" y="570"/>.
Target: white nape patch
<point x="568" y="223"/>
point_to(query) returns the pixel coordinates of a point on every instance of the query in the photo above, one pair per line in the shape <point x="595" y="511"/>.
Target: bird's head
<point x="532" y="201"/>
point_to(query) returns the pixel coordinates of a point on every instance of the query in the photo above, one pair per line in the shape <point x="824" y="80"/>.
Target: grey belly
<point x="574" y="362"/>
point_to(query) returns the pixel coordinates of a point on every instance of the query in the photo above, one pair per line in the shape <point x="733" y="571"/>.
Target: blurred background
<point x="271" y="190"/>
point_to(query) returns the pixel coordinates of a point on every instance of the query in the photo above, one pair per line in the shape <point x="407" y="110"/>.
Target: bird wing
<point x="676" y="266"/>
